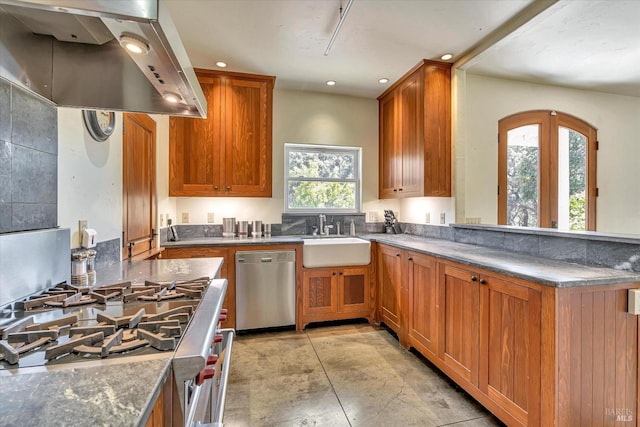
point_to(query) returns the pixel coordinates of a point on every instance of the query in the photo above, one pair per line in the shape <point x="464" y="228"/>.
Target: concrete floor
<point x="348" y="375"/>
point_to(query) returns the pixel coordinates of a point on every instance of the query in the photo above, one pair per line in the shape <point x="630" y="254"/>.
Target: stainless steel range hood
<point x="69" y="52"/>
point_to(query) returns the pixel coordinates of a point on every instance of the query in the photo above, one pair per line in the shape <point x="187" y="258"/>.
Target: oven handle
<point x="217" y="401"/>
<point x="224" y="378"/>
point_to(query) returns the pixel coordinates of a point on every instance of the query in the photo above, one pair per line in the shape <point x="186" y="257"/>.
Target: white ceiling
<point x="583" y="43"/>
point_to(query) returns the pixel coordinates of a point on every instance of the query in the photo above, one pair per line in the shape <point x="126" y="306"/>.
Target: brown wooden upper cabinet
<point x="415" y="133"/>
<point x="228" y="154"/>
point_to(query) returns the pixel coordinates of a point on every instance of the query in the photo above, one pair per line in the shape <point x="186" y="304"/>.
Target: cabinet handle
<point x="228" y="188"/>
<point x="410" y="258"/>
<point x="483" y="282"/>
<point x="398" y="254"/>
<point x="395" y="189"/>
<point x="334" y="273"/>
<point x="474" y="278"/>
<point x="341" y="273"/>
<point x="399" y="189"/>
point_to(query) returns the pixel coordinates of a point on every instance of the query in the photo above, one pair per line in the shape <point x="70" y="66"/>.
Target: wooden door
<point x="353" y="289"/>
<point x="389" y="167"/>
<point x="424" y="325"/>
<point x="411" y="136"/>
<point x="138" y="184"/>
<point x="460" y="343"/>
<point x="196" y="149"/>
<point x="510" y="347"/>
<point x="247" y="138"/>
<point x="319" y="291"/>
<point x="390" y="277"/>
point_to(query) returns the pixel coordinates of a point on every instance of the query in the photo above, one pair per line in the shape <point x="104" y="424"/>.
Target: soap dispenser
<point x="352" y="229"/>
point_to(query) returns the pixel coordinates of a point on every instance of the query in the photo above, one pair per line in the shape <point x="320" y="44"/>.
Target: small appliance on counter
<point x="243" y="229"/>
<point x="256" y="229"/>
<point x="89" y="238"/>
<point x="391" y="225"/>
<point x="228" y="227"/>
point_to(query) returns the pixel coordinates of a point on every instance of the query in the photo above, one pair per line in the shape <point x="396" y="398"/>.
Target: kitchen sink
<point x="333" y="252"/>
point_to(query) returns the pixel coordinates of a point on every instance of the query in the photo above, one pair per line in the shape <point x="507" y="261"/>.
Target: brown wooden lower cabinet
<point x="390" y="289"/>
<point x="335" y="293"/>
<point x="533" y="355"/>
<point x="228" y="270"/>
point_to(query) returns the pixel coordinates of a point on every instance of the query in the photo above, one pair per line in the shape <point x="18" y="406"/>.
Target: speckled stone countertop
<point x="226" y="241"/>
<point x="121" y="393"/>
<point x="109" y="392"/>
<point x="538" y="270"/>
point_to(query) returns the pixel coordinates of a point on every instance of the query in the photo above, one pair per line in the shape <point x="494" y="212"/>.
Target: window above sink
<point x="322" y="178"/>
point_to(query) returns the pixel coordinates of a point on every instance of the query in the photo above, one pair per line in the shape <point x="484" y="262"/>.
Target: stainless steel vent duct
<point x="69" y="52"/>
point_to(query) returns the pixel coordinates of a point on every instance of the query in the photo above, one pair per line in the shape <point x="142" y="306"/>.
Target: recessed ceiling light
<point x="134" y="44"/>
<point x="383" y="80"/>
<point x="331" y="82"/>
<point x="446" y="57"/>
<point x="172" y="97"/>
<point x="221" y="64"/>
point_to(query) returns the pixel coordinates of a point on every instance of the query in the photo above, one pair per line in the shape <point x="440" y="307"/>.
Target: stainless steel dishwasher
<point x="265" y="289"/>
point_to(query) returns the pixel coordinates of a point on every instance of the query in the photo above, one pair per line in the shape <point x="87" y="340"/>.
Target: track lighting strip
<point x="343" y="15"/>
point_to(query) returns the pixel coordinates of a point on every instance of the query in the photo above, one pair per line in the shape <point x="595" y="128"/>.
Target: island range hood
<point x="74" y="53"/>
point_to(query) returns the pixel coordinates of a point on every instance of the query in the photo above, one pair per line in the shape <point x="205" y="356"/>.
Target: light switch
<point x="185" y="217"/>
<point x="442" y="218"/>
<point x="427" y="218"/>
<point x="210" y="218"/>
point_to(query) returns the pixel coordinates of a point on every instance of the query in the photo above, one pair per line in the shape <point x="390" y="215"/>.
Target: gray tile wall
<point x="301" y="224"/>
<point x="28" y="161"/>
<point x="621" y="254"/>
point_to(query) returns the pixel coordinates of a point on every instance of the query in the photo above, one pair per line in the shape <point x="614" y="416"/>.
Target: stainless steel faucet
<point x="323" y="218"/>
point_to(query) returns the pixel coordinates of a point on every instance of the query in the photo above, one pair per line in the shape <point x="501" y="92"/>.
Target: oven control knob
<point x="212" y="359"/>
<point x="216" y="339"/>
<point x="205" y="374"/>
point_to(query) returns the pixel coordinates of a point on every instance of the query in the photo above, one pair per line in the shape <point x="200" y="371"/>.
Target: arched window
<point x="547" y="171"/>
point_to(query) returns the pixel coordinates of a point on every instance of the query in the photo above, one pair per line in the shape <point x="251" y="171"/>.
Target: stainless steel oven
<point x="136" y="311"/>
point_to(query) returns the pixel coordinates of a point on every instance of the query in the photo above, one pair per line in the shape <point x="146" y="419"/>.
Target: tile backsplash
<point x="28" y="160"/>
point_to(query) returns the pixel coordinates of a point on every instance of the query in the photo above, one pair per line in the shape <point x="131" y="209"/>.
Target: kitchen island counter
<point x="560" y="274"/>
<point x="118" y="392"/>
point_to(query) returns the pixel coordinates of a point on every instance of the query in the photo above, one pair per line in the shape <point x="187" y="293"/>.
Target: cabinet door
<point x="411" y="142"/>
<point x="389" y="151"/>
<point x="353" y="292"/>
<point x="247" y="138"/>
<point x="196" y="149"/>
<point x="460" y="343"/>
<point x="319" y="291"/>
<point x="390" y="276"/>
<point x="437" y="130"/>
<point x="423" y="302"/>
<point x="510" y="347"/>
<point x="209" y="252"/>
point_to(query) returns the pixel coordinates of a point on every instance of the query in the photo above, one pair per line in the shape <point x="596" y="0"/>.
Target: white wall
<point x="90" y="175"/>
<point x="309" y="118"/>
<point x="89" y="178"/>
<point x="617" y="119"/>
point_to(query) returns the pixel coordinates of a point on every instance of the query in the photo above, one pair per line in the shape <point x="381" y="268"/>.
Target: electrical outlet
<point x="185" y="217"/>
<point x="427" y="218"/>
<point x="442" y="218"/>
<point x="82" y="225"/>
<point x="373" y="216"/>
<point x="161" y="220"/>
<point x="210" y="218"/>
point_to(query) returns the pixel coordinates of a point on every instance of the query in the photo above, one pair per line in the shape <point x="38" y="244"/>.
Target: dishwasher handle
<point x="266" y="259"/>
